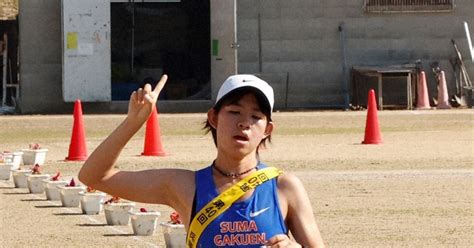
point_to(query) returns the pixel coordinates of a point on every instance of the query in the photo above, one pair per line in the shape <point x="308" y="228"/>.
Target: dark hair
<point x="232" y="98"/>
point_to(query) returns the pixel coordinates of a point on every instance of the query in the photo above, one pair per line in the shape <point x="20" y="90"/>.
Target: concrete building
<point x="100" y="50"/>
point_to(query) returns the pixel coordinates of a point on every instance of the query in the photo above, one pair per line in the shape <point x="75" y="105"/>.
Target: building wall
<point x="300" y="56"/>
<point x="40" y="56"/>
<point x="41" y="66"/>
<point x="301" y="44"/>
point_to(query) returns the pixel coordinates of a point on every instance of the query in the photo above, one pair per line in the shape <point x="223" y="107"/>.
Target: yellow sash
<point x="223" y="201"/>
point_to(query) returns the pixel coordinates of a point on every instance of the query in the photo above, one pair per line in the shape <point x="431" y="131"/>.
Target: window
<point x="400" y="6"/>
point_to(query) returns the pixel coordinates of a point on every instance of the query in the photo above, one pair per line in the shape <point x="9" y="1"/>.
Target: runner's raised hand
<point x="143" y="101"/>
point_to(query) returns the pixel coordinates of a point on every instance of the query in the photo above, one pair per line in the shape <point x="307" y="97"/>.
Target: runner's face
<point x="241" y="126"/>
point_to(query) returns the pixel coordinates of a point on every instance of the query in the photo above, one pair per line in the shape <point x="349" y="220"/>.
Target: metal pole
<point x="236" y="46"/>
<point x="469" y="42"/>
<point x="259" y="36"/>
<point x="345" y="81"/>
<point x="287" y="89"/>
<point x="132" y="64"/>
<point x="5" y="61"/>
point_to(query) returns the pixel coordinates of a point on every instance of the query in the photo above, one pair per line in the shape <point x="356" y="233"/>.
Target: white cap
<point x="245" y="80"/>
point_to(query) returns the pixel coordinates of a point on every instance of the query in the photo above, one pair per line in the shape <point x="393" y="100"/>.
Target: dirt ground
<point x="414" y="190"/>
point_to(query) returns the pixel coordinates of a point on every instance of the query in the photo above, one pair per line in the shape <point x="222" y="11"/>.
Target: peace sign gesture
<point x="143" y="101"/>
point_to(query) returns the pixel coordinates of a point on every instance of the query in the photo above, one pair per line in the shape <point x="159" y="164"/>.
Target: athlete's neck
<point x="235" y="167"/>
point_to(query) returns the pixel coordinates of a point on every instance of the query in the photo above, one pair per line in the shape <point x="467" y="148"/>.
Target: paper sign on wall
<point x="71" y="40"/>
<point x="86" y="49"/>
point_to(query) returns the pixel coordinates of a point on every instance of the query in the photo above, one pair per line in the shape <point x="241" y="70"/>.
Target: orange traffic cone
<point x="372" y="131"/>
<point x="423" y="101"/>
<point x="443" y="99"/>
<point x="153" y="145"/>
<point x="77" y="147"/>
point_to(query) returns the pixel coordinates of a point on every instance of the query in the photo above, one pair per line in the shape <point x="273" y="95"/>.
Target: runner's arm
<point x="150" y="186"/>
<point x="300" y="217"/>
<point x="145" y="186"/>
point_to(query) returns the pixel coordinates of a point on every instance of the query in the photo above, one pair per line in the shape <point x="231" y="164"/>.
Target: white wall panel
<point x="86" y="50"/>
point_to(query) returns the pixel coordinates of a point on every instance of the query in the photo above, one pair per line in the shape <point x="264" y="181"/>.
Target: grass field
<point x="414" y="190"/>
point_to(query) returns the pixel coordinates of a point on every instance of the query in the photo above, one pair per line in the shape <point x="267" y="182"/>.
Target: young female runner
<point x="240" y="123"/>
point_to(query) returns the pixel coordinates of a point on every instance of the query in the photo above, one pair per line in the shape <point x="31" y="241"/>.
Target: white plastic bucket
<point x="5" y="171"/>
<point x="144" y="223"/>
<point x="51" y="189"/>
<point x="14" y="158"/>
<point x="32" y="157"/>
<point x="70" y="195"/>
<point x="91" y="202"/>
<point x="117" y="213"/>
<point x="174" y="234"/>
<point x="20" y="178"/>
<point x="35" y="183"/>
